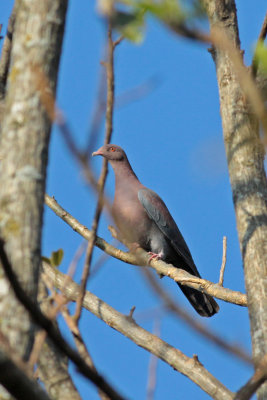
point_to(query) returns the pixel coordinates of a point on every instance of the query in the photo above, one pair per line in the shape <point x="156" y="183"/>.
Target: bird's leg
<point x="155" y="256"/>
<point x="133" y="247"/>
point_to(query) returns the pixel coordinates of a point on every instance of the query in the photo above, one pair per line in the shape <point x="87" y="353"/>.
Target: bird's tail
<point x="204" y="304"/>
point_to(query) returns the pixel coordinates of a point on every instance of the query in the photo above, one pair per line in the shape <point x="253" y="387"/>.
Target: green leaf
<point x="56" y="257"/>
<point x="165" y="10"/>
<point x="130" y="24"/>
<point x="261" y="56"/>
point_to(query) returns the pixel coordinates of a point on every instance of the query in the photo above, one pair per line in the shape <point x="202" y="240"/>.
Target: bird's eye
<point x="112" y="149"/>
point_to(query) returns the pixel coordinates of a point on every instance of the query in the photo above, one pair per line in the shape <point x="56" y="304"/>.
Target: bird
<point x="144" y="220"/>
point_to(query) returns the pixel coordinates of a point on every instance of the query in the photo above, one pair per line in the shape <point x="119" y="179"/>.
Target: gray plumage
<point x="143" y="218"/>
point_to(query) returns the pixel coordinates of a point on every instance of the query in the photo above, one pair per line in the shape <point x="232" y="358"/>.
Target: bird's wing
<point x="159" y="213"/>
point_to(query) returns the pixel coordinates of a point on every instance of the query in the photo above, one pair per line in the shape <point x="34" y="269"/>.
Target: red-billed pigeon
<point x="143" y="219"/>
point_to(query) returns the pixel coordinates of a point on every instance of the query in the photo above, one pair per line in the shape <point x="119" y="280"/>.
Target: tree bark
<point x="245" y="155"/>
<point x="53" y="364"/>
<point x="37" y="41"/>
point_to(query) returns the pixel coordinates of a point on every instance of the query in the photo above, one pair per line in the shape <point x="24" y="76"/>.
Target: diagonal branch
<point x="141" y="258"/>
<point x="126" y="325"/>
<point x="40" y="319"/>
<point x="17" y="383"/>
<point x="191" y="321"/>
<point x="258" y="378"/>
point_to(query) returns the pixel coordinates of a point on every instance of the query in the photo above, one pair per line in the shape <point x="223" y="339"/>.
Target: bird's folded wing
<point x="159" y="213"/>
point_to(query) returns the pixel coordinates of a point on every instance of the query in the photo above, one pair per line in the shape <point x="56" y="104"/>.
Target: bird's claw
<point x="154" y="256"/>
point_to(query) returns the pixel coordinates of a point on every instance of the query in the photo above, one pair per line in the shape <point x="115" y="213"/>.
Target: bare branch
<point x="263" y="31"/>
<point x="152" y="367"/>
<point x="195" y="324"/>
<point x="55" y="336"/>
<point x="52" y="364"/>
<point x="80" y="344"/>
<point x="223" y="261"/>
<point x="140" y="258"/>
<point x="17" y="383"/>
<point x="258" y="378"/>
<point x="219" y="40"/>
<point x="103" y="175"/>
<point x="128" y="327"/>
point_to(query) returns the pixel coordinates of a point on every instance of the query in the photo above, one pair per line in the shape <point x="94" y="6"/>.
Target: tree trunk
<point x="245" y="155"/>
<point x="37" y="41"/>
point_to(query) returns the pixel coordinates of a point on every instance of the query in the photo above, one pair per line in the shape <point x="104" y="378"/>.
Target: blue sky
<point x="173" y="138"/>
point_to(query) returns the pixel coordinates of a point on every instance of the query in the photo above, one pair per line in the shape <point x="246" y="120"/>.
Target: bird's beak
<point x="97" y="153"/>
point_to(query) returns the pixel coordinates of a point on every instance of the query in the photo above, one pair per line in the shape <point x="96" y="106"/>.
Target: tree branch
<point x="25" y="134"/>
<point x="141" y="258"/>
<point x="223" y="261"/>
<point x="17" y="383"/>
<point x="101" y="183"/>
<point x="245" y="157"/>
<point x="129" y="328"/>
<point x="52" y="364"/>
<point x="53" y="334"/>
<point x="254" y="383"/>
<point x="191" y="321"/>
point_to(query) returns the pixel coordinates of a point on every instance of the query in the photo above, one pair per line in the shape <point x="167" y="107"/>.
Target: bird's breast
<point x="131" y="219"/>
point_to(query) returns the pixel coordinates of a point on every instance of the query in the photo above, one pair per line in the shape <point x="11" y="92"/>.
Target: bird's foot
<point x="154" y="256"/>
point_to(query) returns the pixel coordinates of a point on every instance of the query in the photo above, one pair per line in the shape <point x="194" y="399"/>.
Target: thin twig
<point x="263" y="31"/>
<point x="152" y="367"/>
<point x="98" y="115"/>
<point x="223" y="261"/>
<point x="140" y="258"/>
<point x="118" y="41"/>
<point x="40" y="319"/>
<point x="57" y="116"/>
<point x="103" y="175"/>
<point x="219" y="39"/>
<point x="41" y="336"/>
<point x="80" y="344"/>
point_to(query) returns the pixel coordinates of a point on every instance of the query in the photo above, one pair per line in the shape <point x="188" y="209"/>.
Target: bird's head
<point x="111" y="152"/>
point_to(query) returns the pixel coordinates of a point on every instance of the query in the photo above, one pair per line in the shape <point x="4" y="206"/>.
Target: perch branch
<point x="141" y="258"/>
